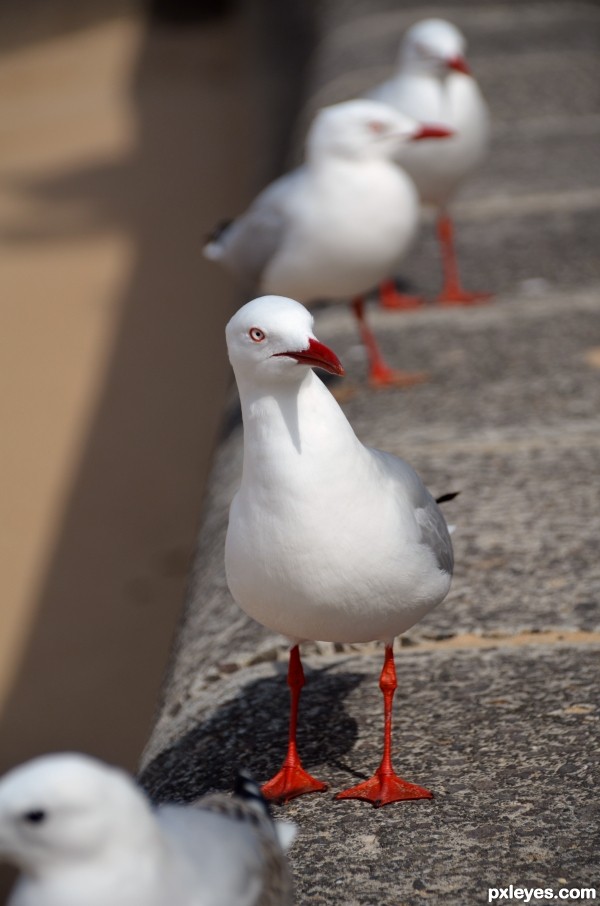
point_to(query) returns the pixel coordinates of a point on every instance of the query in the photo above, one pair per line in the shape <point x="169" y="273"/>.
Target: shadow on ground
<point x="251" y="731"/>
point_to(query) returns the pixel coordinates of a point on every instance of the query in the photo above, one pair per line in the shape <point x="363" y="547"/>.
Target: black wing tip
<point x="245" y="787"/>
<point x="446" y="497"/>
<point x="216" y="233"/>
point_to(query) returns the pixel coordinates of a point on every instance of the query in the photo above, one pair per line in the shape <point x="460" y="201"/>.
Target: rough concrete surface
<point x="496" y="709"/>
<point x="506" y="739"/>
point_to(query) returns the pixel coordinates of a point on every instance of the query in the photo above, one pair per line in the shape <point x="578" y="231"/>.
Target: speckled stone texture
<point x="506" y="739"/>
<point x="497" y="705"/>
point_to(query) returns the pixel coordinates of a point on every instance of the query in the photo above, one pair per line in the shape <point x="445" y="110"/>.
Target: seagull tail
<point x="444" y="499"/>
<point x="213" y="248"/>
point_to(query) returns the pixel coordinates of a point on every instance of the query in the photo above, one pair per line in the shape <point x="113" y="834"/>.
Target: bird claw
<point x="462" y="297"/>
<point x="395" y="301"/>
<point x="381" y="376"/>
<point x="289" y="782"/>
<point x="383" y="788"/>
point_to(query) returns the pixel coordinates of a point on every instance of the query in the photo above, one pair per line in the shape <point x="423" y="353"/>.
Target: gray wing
<point x="235" y="850"/>
<point x="277" y="884"/>
<point x="251" y="241"/>
<point x="429" y="517"/>
<point x="435" y="533"/>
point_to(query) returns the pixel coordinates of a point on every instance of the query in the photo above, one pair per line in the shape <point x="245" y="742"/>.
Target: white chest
<point x="438" y="166"/>
<point x="351" y="228"/>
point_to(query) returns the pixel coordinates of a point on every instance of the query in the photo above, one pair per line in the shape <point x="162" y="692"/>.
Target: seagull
<point x="84" y="834"/>
<point x="338" y="225"/>
<point x="327" y="539"/>
<point x="433" y="82"/>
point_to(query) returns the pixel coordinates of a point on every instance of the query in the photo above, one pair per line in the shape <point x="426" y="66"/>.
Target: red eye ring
<point x="256" y="334"/>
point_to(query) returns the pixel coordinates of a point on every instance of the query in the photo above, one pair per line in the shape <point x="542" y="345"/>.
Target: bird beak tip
<point x="459" y="64"/>
<point x="317" y="355"/>
<point x="430" y="131"/>
<point x="325" y="358"/>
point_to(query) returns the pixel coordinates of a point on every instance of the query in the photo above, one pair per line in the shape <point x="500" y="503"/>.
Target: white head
<point x="363" y="129"/>
<point x="434" y="46"/>
<point x="270" y="340"/>
<point x="66" y="809"/>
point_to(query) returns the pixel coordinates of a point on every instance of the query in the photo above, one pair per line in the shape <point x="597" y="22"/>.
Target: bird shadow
<point x="250" y="732"/>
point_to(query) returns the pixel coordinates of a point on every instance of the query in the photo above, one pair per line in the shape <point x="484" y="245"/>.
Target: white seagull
<point x="338" y="225"/>
<point x="84" y="834"/>
<point x="327" y="539"/>
<point x="434" y="83"/>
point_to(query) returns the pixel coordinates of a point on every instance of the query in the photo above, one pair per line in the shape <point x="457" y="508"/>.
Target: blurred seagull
<point x="434" y="83"/>
<point x="327" y="539"/>
<point x="84" y="834"/>
<point x="338" y="225"/>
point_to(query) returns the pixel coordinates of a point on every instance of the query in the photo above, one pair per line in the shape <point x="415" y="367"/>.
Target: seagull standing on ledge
<point x="327" y="539"/>
<point x="84" y="834"/>
<point x="433" y="82"/>
<point x="338" y="225"/>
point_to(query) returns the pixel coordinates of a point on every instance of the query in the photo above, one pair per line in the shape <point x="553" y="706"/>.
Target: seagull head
<point x="271" y="340"/>
<point x="434" y="46"/>
<point x="66" y="809"/>
<point x="364" y="129"/>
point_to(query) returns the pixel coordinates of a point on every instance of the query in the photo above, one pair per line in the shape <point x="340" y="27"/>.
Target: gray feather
<point x="434" y="530"/>
<point x="435" y="533"/>
<point x="252" y="240"/>
<point x="234" y="844"/>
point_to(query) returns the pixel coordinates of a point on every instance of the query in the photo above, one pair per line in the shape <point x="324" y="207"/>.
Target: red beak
<point x="432" y="132"/>
<point x="317" y="356"/>
<point x="458" y="64"/>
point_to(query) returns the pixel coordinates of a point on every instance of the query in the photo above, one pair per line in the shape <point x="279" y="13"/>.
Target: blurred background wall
<point x="126" y="133"/>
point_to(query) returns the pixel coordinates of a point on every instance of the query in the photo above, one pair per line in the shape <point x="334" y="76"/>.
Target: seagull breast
<point x="325" y="537"/>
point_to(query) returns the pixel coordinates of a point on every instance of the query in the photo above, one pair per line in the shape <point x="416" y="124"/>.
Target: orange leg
<point x="380" y="373"/>
<point x="390" y="297"/>
<point x="292" y="780"/>
<point x="385" y="786"/>
<point x="452" y="292"/>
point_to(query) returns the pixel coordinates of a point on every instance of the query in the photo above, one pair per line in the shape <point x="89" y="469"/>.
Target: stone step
<point x="505" y="738"/>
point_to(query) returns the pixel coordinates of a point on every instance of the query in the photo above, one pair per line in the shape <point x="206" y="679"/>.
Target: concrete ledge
<point x="506" y="738"/>
<point x="497" y="703"/>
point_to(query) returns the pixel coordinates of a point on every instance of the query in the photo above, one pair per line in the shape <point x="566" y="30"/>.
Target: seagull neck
<point x="291" y="425"/>
<point x="325" y="162"/>
<point x="420" y="69"/>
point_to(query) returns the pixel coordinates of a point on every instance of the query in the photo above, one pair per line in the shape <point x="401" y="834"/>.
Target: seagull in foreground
<point x="433" y="81"/>
<point x="84" y="834"/>
<point x="327" y="539"/>
<point x="338" y="225"/>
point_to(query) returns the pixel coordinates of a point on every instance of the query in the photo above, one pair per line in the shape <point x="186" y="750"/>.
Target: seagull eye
<point x="377" y="127"/>
<point x="35" y="817"/>
<point x="256" y="334"/>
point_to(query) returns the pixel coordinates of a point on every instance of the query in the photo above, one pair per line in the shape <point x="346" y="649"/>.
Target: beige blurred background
<point x="121" y="145"/>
